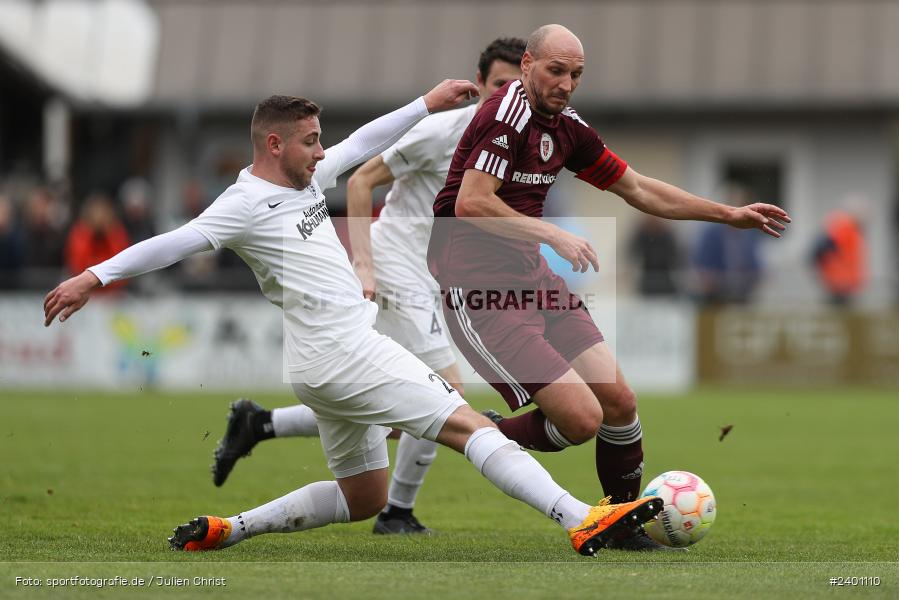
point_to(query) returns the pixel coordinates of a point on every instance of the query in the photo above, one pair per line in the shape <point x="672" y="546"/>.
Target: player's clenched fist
<point x="449" y="93"/>
<point x="69" y="296"/>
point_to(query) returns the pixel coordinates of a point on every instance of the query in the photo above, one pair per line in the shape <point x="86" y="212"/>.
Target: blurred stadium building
<point x="796" y="102"/>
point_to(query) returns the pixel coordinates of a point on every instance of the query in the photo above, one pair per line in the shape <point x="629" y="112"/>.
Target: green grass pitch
<point x="806" y="483"/>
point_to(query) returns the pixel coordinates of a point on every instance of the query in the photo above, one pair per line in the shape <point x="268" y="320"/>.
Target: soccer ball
<point x="689" y="509"/>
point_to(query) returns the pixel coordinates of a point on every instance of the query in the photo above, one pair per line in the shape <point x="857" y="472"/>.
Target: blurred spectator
<point x="655" y="249"/>
<point x="727" y="262"/>
<point x="840" y="255"/>
<point x="96" y="236"/>
<point x="135" y="198"/>
<point x="44" y="230"/>
<point x="193" y="199"/>
<point x="12" y="255"/>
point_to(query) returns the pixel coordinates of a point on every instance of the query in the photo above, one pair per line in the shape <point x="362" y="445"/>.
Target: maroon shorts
<point x="520" y="341"/>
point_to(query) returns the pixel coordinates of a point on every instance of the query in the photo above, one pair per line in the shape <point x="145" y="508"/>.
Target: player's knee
<point x="367" y="506"/>
<point x="584" y="426"/>
<point x="459" y="427"/>
<point x="621" y="407"/>
<point x="365" y="493"/>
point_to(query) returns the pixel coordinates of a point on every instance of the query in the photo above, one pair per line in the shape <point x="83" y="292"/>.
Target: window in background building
<point x="761" y="178"/>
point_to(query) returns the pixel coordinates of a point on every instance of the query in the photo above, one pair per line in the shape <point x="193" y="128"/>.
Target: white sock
<point x="311" y="506"/>
<point x="569" y="512"/>
<point x="519" y="475"/>
<point x="413" y="458"/>
<point x="297" y="420"/>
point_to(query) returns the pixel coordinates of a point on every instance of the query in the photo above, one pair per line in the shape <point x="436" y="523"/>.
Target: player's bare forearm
<point x="478" y="204"/>
<point x="496" y="217"/>
<point x="664" y="200"/>
<point x="360" y="188"/>
<point x="670" y="202"/>
<point x="69" y="296"/>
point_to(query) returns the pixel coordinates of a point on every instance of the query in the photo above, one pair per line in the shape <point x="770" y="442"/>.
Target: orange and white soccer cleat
<point x="607" y="522"/>
<point x="202" y="533"/>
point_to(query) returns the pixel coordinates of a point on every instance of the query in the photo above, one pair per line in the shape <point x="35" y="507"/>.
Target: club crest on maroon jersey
<point x="546" y="147"/>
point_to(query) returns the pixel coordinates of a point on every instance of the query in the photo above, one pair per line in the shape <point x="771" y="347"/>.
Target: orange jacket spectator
<point x="96" y="236"/>
<point x="841" y="258"/>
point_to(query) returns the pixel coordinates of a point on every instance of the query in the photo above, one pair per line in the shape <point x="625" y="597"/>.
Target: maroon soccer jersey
<point x="526" y="151"/>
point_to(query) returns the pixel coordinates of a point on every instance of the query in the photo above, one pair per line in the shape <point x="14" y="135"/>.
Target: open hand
<point x="769" y="218"/>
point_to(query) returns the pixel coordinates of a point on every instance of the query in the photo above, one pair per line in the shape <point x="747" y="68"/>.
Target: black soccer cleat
<point x="493" y="415"/>
<point x="240" y="437"/>
<point x="640" y="541"/>
<point x="387" y="524"/>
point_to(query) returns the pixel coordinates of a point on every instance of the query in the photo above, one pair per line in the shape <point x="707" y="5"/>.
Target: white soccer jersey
<point x="287" y="238"/>
<point x="419" y="162"/>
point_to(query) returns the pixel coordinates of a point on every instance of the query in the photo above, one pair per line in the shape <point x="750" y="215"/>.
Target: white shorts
<point x="360" y="395"/>
<point x="417" y="327"/>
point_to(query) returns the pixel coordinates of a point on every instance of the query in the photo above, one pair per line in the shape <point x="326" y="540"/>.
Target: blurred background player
<point x="389" y="257"/>
<point x="541" y="351"/>
<point x="359" y="382"/>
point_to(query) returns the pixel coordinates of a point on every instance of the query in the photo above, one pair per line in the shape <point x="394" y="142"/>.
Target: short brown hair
<point x="505" y="49"/>
<point x="277" y="110"/>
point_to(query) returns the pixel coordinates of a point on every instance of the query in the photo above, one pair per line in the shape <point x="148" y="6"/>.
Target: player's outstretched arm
<point x="360" y="188"/>
<point x="155" y="253"/>
<point x="373" y="138"/>
<point x="665" y="200"/>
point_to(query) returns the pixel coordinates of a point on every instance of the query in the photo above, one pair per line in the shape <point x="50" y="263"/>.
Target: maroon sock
<point x="530" y="431"/>
<point x="619" y="468"/>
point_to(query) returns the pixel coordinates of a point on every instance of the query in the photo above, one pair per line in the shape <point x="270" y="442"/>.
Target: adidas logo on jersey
<point x="502" y="141"/>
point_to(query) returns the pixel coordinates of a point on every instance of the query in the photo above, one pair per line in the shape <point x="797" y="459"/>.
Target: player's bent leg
<point x="619" y="441"/>
<point x="519" y="475"/>
<point x="359" y="492"/>
<point x="599" y="369"/>
<point x="311" y="506"/>
<point x="571" y="407"/>
<point x="413" y="459"/>
<point x="459" y="427"/>
<point x="568" y="414"/>
<point x="365" y="493"/>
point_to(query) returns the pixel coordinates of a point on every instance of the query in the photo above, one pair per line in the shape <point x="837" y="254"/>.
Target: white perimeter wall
<point x="214" y="342"/>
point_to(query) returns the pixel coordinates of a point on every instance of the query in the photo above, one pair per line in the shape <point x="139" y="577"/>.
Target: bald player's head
<point x="551" y="68"/>
<point x="551" y="38"/>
